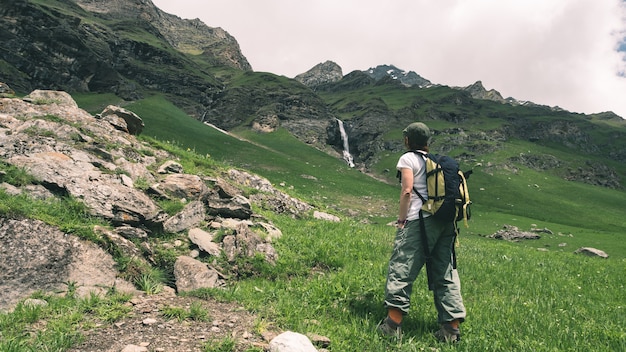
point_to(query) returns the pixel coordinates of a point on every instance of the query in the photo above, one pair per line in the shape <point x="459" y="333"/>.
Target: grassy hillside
<point x="329" y="277"/>
<point x="500" y="196"/>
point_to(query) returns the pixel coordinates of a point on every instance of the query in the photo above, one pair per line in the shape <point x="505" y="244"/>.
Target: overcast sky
<point x="553" y="52"/>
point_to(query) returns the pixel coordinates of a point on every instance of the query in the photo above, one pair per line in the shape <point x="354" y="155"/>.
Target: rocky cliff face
<point x="268" y="102"/>
<point x="188" y="36"/>
<point x="407" y="78"/>
<point x="122" y="46"/>
<point x="478" y="91"/>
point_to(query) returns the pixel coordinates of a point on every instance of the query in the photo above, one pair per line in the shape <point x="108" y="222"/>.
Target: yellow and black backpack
<point x="448" y="195"/>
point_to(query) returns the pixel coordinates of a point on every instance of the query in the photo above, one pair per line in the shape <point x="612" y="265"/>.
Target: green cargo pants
<point x="407" y="260"/>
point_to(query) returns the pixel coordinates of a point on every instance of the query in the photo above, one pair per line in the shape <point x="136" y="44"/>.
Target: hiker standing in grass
<point x="409" y="252"/>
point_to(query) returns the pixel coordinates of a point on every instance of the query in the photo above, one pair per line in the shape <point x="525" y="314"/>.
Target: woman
<point x="421" y="239"/>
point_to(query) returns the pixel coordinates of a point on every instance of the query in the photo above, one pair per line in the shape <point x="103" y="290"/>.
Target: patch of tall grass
<point x="56" y="324"/>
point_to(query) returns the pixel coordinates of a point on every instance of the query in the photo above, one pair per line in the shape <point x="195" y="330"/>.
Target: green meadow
<point x="329" y="279"/>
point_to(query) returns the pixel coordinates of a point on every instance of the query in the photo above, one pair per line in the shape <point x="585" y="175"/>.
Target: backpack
<point x="448" y="195"/>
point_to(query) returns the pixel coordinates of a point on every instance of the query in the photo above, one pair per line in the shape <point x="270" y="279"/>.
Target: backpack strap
<point x="420" y="156"/>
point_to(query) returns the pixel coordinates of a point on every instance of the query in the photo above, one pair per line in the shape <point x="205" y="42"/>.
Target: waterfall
<point x="346" y="147"/>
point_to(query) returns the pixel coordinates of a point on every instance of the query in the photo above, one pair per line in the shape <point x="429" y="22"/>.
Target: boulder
<point x="238" y="207"/>
<point x="592" y="252"/>
<point x="183" y="186"/>
<point x="50" y="96"/>
<point x="290" y="341"/>
<point x="39" y="257"/>
<point x="512" y="233"/>
<point x="192" y="274"/>
<point x="122" y="119"/>
<point x="204" y="241"/>
<point x="189" y="217"/>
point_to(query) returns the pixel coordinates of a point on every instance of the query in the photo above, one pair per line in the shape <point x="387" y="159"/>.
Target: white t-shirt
<point x="411" y="161"/>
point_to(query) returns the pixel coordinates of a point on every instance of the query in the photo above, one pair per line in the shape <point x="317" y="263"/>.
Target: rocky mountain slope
<point x="96" y="162"/>
<point x="121" y="47"/>
<point x="132" y="49"/>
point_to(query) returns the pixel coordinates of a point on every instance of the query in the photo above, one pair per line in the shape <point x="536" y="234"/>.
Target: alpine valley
<point x="129" y="51"/>
<point x="142" y="151"/>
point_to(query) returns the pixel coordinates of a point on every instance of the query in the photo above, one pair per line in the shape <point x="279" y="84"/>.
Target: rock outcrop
<point x="326" y="72"/>
<point x="188" y="36"/>
<point x="91" y="159"/>
<point x="478" y="91"/>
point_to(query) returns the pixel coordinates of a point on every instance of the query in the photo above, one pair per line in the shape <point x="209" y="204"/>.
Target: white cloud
<point x="553" y="52"/>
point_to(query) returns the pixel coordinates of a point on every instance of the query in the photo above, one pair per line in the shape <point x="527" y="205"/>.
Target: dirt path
<point x="147" y="327"/>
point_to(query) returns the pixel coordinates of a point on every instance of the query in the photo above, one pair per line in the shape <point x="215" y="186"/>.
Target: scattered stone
<point x="325" y="216"/>
<point x="134" y="348"/>
<point x="182" y="186"/>
<point x="512" y="233"/>
<point x="170" y="167"/>
<point x="32" y="302"/>
<point x="319" y="340"/>
<point x="237" y="207"/>
<point x="592" y="252"/>
<point x="544" y="230"/>
<point x="149" y="321"/>
<point x="246" y="243"/>
<point x="192" y="215"/>
<point x="272" y="231"/>
<point x="204" y="241"/>
<point x="130" y="232"/>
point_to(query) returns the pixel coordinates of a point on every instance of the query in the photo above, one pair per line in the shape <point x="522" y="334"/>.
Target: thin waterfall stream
<point x="346" y="146"/>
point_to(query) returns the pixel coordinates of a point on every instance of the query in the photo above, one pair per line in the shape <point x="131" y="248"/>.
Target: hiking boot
<point x="448" y="334"/>
<point x="390" y="328"/>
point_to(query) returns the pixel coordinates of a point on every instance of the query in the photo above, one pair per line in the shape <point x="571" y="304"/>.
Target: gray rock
<point x="237" y="207"/>
<point x="183" y="186"/>
<point x="512" y="233"/>
<point x="204" y="241"/>
<point x="192" y="215"/>
<point x="192" y="274"/>
<point x="119" y="117"/>
<point x="290" y="341"/>
<point x="50" y="96"/>
<point x="37" y="257"/>
<point x="246" y="243"/>
<point x="325" y="216"/>
<point x="170" y="167"/>
<point x="592" y="252"/>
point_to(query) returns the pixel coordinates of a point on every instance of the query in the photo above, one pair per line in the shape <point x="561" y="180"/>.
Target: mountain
<point x="135" y="51"/>
<point x="123" y="47"/>
<point x="407" y="78"/>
